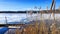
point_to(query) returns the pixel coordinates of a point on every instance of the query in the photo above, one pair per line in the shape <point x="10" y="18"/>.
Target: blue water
<point x="3" y="30"/>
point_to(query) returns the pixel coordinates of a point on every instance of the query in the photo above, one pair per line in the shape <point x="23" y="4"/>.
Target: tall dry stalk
<point x="43" y="29"/>
<point x="17" y="31"/>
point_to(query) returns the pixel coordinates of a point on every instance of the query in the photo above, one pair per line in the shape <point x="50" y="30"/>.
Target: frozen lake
<point x="17" y="17"/>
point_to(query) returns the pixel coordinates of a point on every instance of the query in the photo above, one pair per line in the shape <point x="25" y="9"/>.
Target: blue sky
<point x="18" y="5"/>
